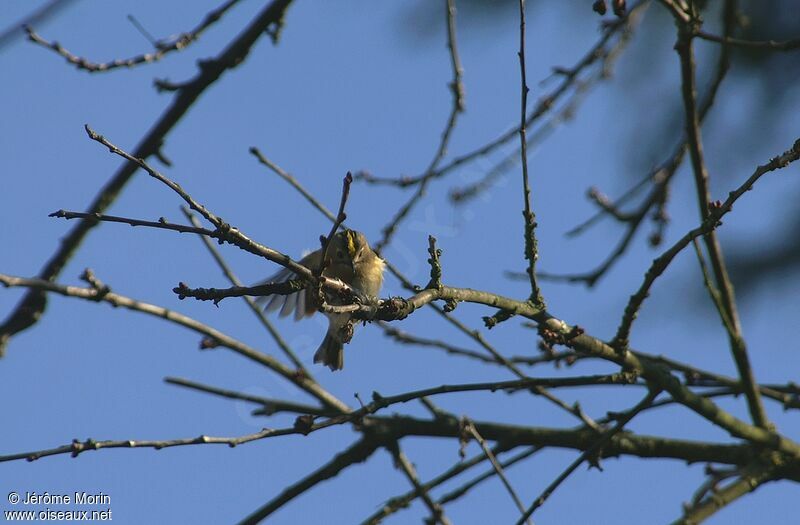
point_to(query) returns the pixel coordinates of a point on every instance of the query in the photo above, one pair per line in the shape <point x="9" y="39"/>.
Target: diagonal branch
<point x="407" y="338"/>
<point x="78" y="447"/>
<point x="258" y="312"/>
<point x="341" y="216"/>
<point x="737" y="343"/>
<point x="589" y="452"/>
<point x="399" y="502"/>
<point x="32" y="306"/>
<point x="457" y="107"/>
<point x="219" y="338"/>
<point x="751" y="478"/>
<point x="543" y="105"/>
<point x="224" y="232"/>
<point x="359" y="452"/>
<point x="470" y="428"/>
<point x="391" y="307"/>
<point x="660" y="177"/>
<point x="712" y="221"/>
<point x="469" y="485"/>
<point x="402" y="462"/>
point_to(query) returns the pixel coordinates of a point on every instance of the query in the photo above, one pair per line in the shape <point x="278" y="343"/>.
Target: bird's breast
<point x="369" y="278"/>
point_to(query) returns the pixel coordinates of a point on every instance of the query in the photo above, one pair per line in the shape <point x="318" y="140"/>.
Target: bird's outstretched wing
<point x="302" y="303"/>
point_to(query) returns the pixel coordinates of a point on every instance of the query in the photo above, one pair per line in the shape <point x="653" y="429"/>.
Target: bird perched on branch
<point x="349" y="259"/>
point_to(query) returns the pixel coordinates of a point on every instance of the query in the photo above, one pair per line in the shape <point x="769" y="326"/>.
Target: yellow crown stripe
<point x="351" y="242"/>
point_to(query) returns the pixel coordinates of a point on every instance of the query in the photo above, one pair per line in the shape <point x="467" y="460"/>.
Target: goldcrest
<point x="352" y="261"/>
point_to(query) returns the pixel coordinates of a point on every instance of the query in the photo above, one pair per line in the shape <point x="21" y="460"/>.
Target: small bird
<point x="353" y="262"/>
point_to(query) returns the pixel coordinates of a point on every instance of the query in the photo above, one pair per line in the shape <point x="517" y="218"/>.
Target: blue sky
<point x="351" y="86"/>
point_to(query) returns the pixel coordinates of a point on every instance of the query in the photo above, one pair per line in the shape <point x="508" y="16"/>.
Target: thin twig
<point x="224" y="231"/>
<point x="457" y="107"/>
<point x="531" y="245"/>
<point x="588" y="453"/>
<point x="219" y="338"/>
<point x="293" y="182"/>
<point x="605" y="205"/>
<point x="712" y="290"/>
<point x="341" y="216"/>
<point x="162" y="223"/>
<point x="751" y="478"/>
<point x="457" y="85"/>
<point x="770" y="45"/>
<point x="78" y="447"/>
<point x="660" y="263"/>
<point x="711" y="484"/>
<point x="469" y="485"/>
<point x="660" y="177"/>
<point x="269" y="406"/>
<point x="257" y="311"/>
<point x="474" y="334"/>
<point x="470" y="428"/>
<point x="737" y="344"/>
<point x="543" y="105"/>
<point x="402" y="462"/>
<point x="396" y="503"/>
<point x="218" y="294"/>
<point x="699" y="377"/>
<point x="358" y="452"/>
<point x="410" y="339"/>
<point x="29" y="309"/>
<point x="462" y="195"/>
<point x="162" y="47"/>
<point x="607" y="56"/>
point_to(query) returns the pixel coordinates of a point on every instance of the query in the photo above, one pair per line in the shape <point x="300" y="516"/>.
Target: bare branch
<point x="219" y="338"/>
<point x="269" y="406"/>
<point x="457" y="107"/>
<point x="257" y="311"/>
<point x="359" y="452"/>
<point x="32" y="305"/>
<point x="214" y="294"/>
<point x="660" y="177"/>
<point x="470" y="428"/>
<point x="769" y="45"/>
<point x="543" y="106"/>
<point x="402" y="462"/>
<point x="751" y="478"/>
<point x="293" y="182"/>
<point x="341" y="216"/>
<point x="737" y="344"/>
<point x="162" y="47"/>
<point x="588" y="453"/>
<point x="399" y="308"/>
<point x="712" y="221"/>
<point x="400" y="502"/>
<point x="224" y="231"/>
<point x="78" y="447"/>
<point x="531" y="245"/>
<point x="469" y="485"/>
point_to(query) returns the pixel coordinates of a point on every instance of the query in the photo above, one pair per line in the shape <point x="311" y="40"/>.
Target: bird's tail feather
<point x="330" y="353"/>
